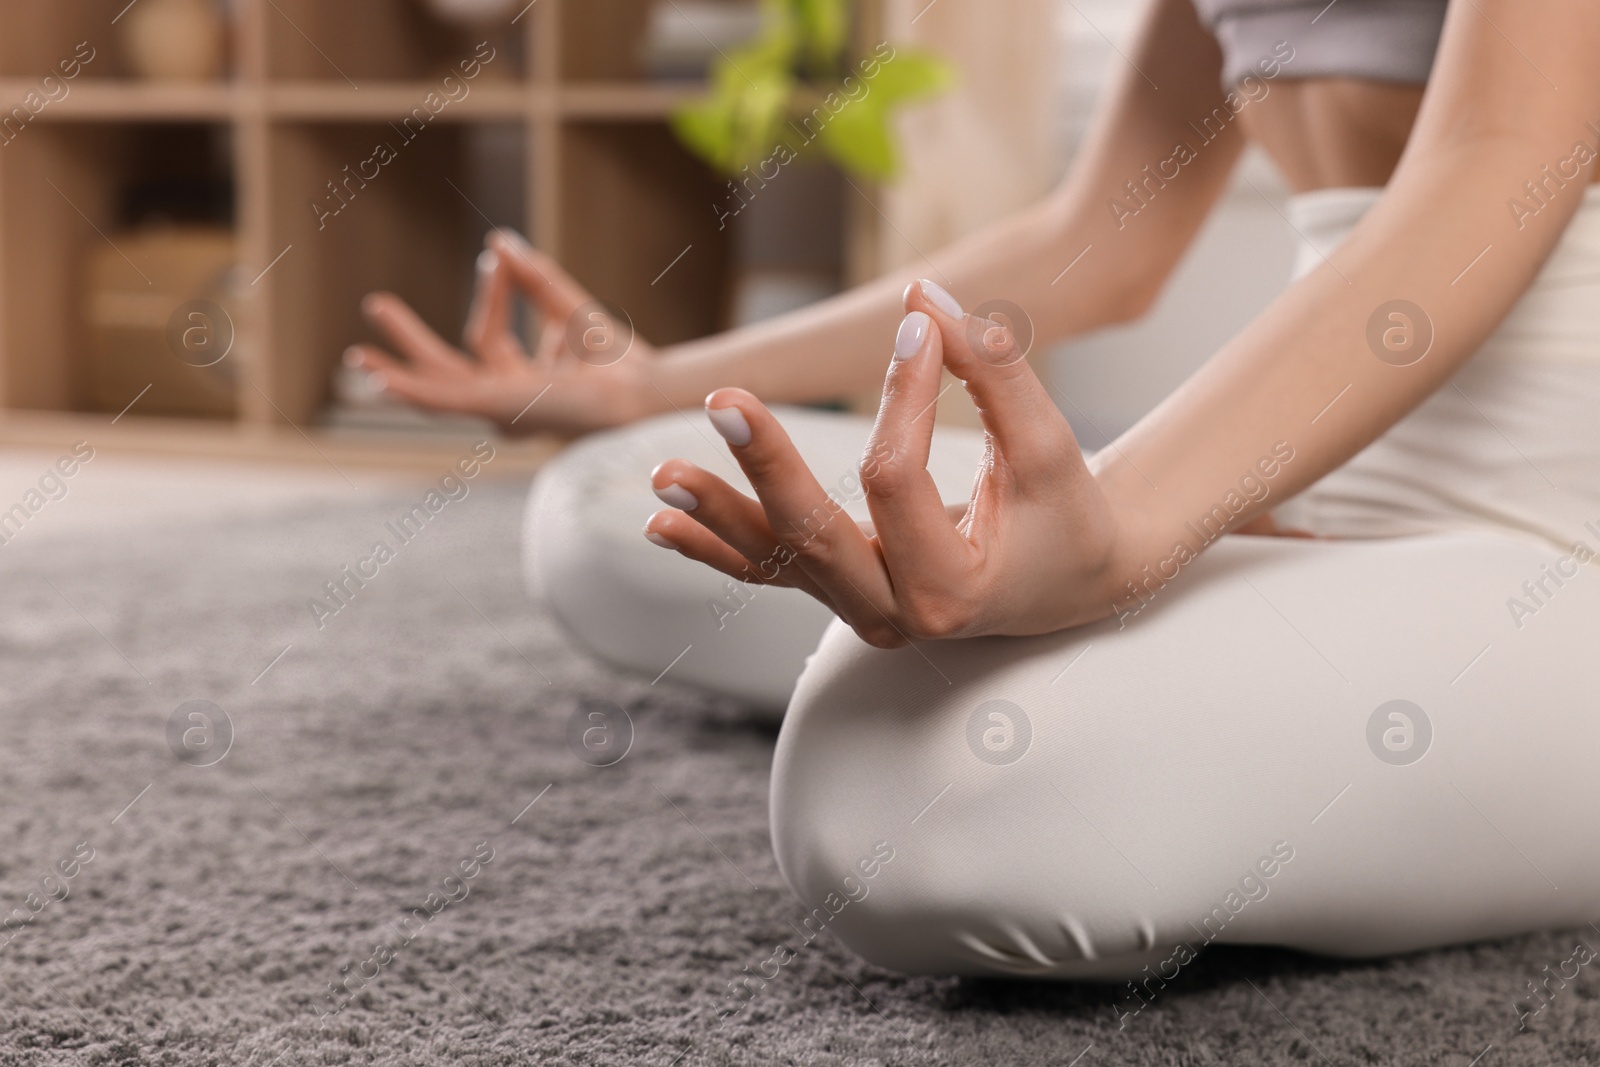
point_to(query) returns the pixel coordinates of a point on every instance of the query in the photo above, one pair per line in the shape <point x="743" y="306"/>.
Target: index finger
<point x="557" y="293"/>
<point x="828" y="547"/>
<point x="488" y="331"/>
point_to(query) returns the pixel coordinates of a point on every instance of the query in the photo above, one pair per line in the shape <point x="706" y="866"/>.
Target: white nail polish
<point x="487" y="261"/>
<point x="913" y="331"/>
<point x="656" y="539"/>
<point x="731" y="424"/>
<point x="941" y="299"/>
<point x="676" y="496"/>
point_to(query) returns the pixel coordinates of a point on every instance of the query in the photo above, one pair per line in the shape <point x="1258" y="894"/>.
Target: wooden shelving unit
<point x="314" y="85"/>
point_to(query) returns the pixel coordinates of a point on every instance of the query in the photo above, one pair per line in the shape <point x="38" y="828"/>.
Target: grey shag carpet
<point x="373" y="760"/>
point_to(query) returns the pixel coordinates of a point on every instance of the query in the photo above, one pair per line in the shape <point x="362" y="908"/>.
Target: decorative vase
<point x="174" y="40"/>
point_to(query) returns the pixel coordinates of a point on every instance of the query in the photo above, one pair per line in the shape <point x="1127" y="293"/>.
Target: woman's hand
<point x="1037" y="548"/>
<point x="595" y="372"/>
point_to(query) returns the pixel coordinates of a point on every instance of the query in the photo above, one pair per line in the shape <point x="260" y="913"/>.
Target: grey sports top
<point x="1384" y="40"/>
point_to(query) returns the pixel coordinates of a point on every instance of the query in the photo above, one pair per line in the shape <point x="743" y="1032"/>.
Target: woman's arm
<point x="1171" y="77"/>
<point x="1512" y="93"/>
<point x="832" y="349"/>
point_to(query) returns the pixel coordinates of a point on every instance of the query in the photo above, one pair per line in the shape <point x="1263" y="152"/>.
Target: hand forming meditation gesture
<point x="601" y="369"/>
<point x="1035" y="550"/>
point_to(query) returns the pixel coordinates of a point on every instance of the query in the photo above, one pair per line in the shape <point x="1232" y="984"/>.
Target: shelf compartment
<point x="354" y="43"/>
<point x="39" y="37"/>
<point x="78" y="203"/>
<point x="639" y="227"/>
<point x="651" y="43"/>
<point x="415" y="228"/>
<point x="603" y="40"/>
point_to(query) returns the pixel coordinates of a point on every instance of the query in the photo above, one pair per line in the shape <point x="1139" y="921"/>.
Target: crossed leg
<point x="1226" y="767"/>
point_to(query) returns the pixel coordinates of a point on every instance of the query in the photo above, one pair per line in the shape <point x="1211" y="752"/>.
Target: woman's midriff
<point x="1326" y="133"/>
<point x="1333" y="132"/>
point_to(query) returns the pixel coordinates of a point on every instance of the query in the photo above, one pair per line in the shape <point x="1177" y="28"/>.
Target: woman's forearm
<point x="838" y="346"/>
<point x="1117" y="265"/>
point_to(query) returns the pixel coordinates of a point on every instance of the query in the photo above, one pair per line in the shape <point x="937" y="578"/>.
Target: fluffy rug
<point x="399" y="859"/>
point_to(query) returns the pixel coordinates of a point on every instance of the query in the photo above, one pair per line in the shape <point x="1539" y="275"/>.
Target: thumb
<point x="488" y="331"/>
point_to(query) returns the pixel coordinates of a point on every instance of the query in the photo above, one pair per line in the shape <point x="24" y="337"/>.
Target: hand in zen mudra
<point x="598" y="369"/>
<point x="1035" y="550"/>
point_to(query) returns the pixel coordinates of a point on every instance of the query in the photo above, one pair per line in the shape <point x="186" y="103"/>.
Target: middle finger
<point x="406" y="331"/>
<point x="829" y="547"/>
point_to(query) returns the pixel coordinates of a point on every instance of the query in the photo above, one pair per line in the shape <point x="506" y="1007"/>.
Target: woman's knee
<point x="839" y="809"/>
<point x="564" y="560"/>
<point x="908" y="818"/>
<point x="629" y="603"/>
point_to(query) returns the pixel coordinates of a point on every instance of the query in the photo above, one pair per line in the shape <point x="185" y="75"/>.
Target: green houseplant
<point x="793" y="90"/>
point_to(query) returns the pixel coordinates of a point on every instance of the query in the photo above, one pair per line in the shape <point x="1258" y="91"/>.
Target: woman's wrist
<point x="679" y="377"/>
<point x="1147" y="551"/>
<point x="662" y="384"/>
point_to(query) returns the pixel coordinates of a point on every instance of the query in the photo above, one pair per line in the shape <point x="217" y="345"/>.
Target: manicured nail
<point x="487" y="261"/>
<point x="379" y="380"/>
<point x="731" y="424"/>
<point x="676" y="496"/>
<point x="941" y="299"/>
<point x="913" y="331"/>
<point x="352" y="357"/>
<point x="656" y="539"/>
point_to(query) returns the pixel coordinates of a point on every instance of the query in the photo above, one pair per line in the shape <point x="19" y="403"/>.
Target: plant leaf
<point x="706" y="128"/>
<point x="823" y="25"/>
<point x="754" y="90"/>
<point x="912" y="73"/>
<point x="759" y="118"/>
<point x="858" y="138"/>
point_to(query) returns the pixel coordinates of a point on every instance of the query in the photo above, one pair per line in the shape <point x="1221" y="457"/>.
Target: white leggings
<point x="1213" y="771"/>
<point x="1350" y="747"/>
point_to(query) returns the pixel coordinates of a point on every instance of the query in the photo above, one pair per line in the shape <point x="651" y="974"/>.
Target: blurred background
<point x="195" y="194"/>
